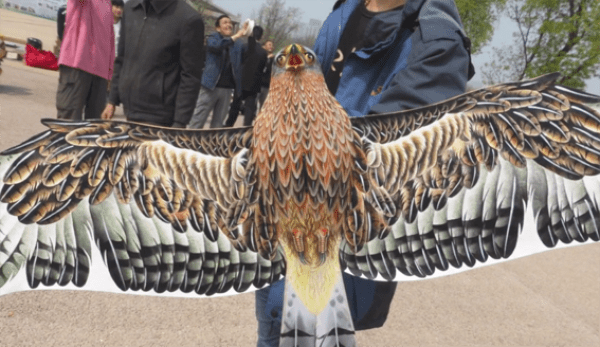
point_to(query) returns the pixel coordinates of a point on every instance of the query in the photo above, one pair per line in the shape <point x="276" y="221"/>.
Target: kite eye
<point x="281" y="60"/>
<point x="309" y="57"/>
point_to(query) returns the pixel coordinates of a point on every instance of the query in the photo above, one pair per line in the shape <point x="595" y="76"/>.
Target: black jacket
<point x="252" y="67"/>
<point x="266" y="74"/>
<point x="159" y="62"/>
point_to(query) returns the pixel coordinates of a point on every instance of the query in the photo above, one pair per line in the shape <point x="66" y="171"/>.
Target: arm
<point x="111" y="64"/>
<point x="191" y="60"/>
<point x="215" y="45"/>
<point x="436" y="70"/>
<point x="262" y="63"/>
<point x="113" y="98"/>
<point x="250" y="47"/>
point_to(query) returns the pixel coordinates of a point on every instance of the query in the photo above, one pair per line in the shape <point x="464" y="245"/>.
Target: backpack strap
<point x="467" y="44"/>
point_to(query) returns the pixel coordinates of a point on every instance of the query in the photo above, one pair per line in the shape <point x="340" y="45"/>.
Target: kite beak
<point x="295" y="57"/>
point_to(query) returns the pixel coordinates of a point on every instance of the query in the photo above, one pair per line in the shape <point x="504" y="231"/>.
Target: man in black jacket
<point x="265" y="79"/>
<point x="159" y="63"/>
<point x="252" y="67"/>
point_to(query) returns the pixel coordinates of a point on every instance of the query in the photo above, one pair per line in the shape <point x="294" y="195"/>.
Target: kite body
<point x="305" y="193"/>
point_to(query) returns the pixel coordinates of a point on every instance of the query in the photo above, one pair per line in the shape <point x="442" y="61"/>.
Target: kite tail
<point x="331" y="327"/>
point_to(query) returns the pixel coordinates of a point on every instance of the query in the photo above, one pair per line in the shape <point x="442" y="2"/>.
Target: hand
<point x="237" y="35"/>
<point x="109" y="112"/>
<point x="245" y="27"/>
<point x="241" y="32"/>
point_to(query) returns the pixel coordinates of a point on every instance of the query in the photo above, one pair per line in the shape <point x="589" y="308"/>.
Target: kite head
<point x="295" y="58"/>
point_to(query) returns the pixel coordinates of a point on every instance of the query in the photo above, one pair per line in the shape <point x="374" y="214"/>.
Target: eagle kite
<point x="305" y="193"/>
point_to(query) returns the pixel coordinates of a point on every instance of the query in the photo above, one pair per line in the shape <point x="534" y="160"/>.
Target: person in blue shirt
<point x="222" y="73"/>
<point x="381" y="56"/>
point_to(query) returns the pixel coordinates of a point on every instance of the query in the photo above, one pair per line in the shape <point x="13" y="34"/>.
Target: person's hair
<point x="257" y="32"/>
<point x="268" y="40"/>
<point x="217" y="24"/>
<point x="118" y="3"/>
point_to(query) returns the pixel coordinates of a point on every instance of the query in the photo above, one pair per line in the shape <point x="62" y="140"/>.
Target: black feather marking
<point x="17" y="164"/>
<point x="25" y="145"/>
<point x="577" y="94"/>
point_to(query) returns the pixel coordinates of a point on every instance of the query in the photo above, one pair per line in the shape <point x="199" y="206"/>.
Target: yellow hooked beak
<point x="295" y="57"/>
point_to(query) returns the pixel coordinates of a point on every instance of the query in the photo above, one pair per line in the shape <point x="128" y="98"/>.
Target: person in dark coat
<point x="159" y="63"/>
<point x="254" y="62"/>
<point x="265" y="80"/>
<point x="61" y="21"/>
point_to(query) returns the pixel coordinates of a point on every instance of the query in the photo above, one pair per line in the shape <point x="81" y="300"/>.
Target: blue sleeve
<point x="437" y="70"/>
<point x="215" y="45"/>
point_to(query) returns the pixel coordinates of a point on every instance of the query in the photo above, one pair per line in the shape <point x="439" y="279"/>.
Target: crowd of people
<point x="394" y="55"/>
<point x="151" y="57"/>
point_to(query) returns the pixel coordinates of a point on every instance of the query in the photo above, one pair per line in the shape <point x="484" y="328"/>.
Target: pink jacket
<point x="89" y="40"/>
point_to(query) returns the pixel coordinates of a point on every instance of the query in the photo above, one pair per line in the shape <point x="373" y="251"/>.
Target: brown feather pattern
<point x="517" y="121"/>
<point x="305" y="176"/>
<point x="303" y="153"/>
<point x="92" y="159"/>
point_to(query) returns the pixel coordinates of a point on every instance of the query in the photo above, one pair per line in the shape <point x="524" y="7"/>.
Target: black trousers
<point x="249" y="100"/>
<point x="77" y="90"/>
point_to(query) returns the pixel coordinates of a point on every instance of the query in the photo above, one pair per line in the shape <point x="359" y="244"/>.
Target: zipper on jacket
<point x="219" y="75"/>
<point x="234" y="79"/>
<point x="141" y="32"/>
<point x="138" y="46"/>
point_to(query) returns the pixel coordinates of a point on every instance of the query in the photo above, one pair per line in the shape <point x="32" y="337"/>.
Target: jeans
<point x="269" y="323"/>
<point x="369" y="304"/>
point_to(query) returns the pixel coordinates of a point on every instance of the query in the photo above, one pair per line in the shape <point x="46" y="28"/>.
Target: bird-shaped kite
<point x="305" y="193"/>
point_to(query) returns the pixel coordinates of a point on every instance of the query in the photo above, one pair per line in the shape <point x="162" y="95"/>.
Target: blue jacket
<point x="416" y="57"/>
<point x="215" y="48"/>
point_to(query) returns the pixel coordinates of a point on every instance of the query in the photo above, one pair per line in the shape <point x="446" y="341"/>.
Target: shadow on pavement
<point x="14" y="90"/>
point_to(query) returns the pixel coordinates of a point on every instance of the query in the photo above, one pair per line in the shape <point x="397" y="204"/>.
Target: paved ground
<point x="22" y="26"/>
<point x="551" y="299"/>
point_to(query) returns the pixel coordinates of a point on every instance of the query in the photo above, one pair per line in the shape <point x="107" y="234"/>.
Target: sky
<point x="311" y="9"/>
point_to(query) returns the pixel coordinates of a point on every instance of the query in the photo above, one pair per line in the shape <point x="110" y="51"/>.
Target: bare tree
<point x="278" y="22"/>
<point x="307" y="39"/>
<point x="201" y="6"/>
<point x="307" y="33"/>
